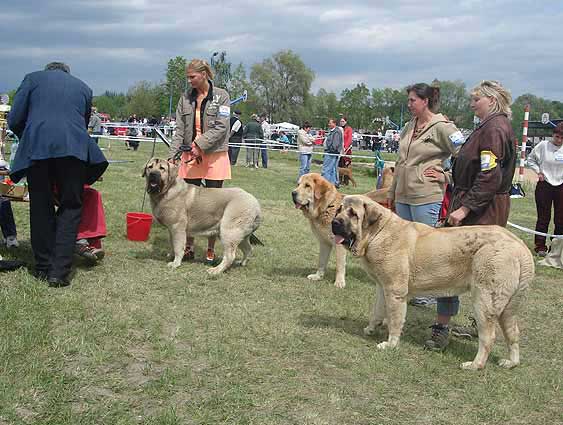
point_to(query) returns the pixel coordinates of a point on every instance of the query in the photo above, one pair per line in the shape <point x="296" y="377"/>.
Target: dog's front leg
<point x="396" y="305"/>
<point x="340" y="281"/>
<point x="178" y="241"/>
<point x="324" y="255"/>
<point x="377" y="313"/>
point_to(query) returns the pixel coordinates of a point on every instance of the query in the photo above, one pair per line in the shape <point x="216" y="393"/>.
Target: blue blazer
<point x="50" y="115"/>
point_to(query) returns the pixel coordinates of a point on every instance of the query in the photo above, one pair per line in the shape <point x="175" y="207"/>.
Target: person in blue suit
<point x="50" y="116"/>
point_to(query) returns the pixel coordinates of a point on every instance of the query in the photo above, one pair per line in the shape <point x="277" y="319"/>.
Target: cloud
<point x="111" y="44"/>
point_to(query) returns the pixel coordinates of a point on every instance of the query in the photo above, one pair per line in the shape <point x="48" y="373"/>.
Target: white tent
<point x="285" y="126"/>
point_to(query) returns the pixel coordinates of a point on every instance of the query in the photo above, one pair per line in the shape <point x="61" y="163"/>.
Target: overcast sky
<point x="111" y="44"/>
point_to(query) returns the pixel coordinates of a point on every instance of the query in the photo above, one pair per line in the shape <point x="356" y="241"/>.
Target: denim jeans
<point x="264" y="155"/>
<point x="425" y="213"/>
<point x="428" y="214"/>
<point x="304" y="163"/>
<point x="330" y="170"/>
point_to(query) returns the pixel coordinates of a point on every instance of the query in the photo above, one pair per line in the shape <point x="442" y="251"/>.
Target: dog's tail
<point x="254" y="240"/>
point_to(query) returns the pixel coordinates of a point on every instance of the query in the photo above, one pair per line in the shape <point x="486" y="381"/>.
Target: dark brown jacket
<point x="479" y="184"/>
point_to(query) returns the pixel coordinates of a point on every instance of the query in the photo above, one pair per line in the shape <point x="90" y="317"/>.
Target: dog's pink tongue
<point x="297" y="206"/>
<point x="338" y="239"/>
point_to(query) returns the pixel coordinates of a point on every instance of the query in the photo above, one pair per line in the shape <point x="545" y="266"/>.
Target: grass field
<point x="133" y="342"/>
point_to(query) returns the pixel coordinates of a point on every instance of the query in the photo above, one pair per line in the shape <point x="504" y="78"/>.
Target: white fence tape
<point x="533" y="232"/>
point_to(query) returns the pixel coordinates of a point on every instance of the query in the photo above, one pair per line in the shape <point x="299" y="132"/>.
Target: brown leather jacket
<point x="483" y="171"/>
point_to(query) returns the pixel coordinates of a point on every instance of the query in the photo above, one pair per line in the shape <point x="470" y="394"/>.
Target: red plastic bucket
<point x="138" y="226"/>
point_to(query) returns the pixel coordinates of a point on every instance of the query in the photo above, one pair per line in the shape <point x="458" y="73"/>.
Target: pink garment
<point x="93" y="220"/>
<point x="213" y="166"/>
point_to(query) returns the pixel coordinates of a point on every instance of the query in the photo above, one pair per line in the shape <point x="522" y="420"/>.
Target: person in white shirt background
<point x="267" y="133"/>
<point x="546" y="159"/>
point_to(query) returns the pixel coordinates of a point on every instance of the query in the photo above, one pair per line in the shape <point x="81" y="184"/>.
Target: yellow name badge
<point x="488" y="160"/>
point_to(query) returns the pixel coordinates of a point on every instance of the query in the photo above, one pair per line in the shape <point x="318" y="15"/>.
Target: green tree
<point x="222" y="69"/>
<point x="144" y="99"/>
<point x="112" y="103"/>
<point x="389" y="103"/>
<point x="454" y="102"/>
<point x="282" y="84"/>
<point x="356" y="104"/>
<point x="176" y="81"/>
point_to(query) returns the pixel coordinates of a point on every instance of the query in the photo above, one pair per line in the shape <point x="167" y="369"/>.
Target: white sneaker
<point x="12" y="242"/>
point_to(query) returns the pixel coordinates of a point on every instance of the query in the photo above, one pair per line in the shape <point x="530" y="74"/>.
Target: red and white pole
<point x="524" y="140"/>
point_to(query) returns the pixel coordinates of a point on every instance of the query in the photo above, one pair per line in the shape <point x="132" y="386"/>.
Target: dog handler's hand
<point x="435" y="174"/>
<point x="457" y="216"/>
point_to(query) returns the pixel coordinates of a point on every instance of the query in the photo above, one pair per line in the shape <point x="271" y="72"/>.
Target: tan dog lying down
<point x="407" y="259"/>
<point x="185" y="209"/>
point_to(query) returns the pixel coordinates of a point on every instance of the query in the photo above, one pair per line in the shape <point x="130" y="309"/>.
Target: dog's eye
<point x="339" y="210"/>
<point x="162" y="168"/>
<point x="307" y="185"/>
<point x="352" y="213"/>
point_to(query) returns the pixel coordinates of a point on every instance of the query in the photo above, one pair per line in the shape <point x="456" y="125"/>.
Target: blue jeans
<point x="264" y="154"/>
<point x="330" y="170"/>
<point x="425" y="213"/>
<point x="428" y="214"/>
<point x="304" y="163"/>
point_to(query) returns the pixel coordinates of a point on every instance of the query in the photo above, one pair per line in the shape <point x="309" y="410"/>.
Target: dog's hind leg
<point x="229" y="253"/>
<point x="508" y="322"/>
<point x="353" y="181"/>
<point x="246" y="249"/>
<point x="485" y="318"/>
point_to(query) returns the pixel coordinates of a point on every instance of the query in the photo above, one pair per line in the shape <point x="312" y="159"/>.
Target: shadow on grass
<point x="415" y="332"/>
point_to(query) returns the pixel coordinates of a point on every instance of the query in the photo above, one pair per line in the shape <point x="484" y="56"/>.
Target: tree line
<point x="280" y="87"/>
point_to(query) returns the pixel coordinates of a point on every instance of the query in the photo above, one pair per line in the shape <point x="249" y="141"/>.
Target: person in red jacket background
<point x="345" y="161"/>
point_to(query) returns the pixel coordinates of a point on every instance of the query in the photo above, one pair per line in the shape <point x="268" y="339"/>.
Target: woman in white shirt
<point x="546" y="159"/>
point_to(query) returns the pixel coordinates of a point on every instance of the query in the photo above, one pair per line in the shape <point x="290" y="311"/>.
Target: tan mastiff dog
<point x="185" y="209"/>
<point x="318" y="199"/>
<point x="407" y="259"/>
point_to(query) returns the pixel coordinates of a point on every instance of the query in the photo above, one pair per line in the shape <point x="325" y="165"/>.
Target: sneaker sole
<point x="463" y="335"/>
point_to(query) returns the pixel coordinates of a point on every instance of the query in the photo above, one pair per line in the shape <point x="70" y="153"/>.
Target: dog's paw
<point x="340" y="283"/>
<point x="507" y="364"/>
<point x="385" y="345"/>
<point x="174" y="264"/>
<point x="315" y="276"/>
<point x="470" y="366"/>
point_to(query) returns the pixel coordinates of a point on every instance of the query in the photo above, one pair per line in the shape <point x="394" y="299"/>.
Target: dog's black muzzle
<point x="153" y="182"/>
<point x="338" y="227"/>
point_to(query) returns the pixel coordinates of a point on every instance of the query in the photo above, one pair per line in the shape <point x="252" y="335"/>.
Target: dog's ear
<point x="321" y="187"/>
<point x="145" y="168"/>
<point x="372" y="213"/>
<point x="172" y="172"/>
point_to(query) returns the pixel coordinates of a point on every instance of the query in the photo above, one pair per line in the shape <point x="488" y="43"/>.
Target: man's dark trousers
<point x="53" y="234"/>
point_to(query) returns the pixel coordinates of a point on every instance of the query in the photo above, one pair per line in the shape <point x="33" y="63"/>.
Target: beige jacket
<point x="304" y="142"/>
<point x="215" y="121"/>
<point x="435" y="144"/>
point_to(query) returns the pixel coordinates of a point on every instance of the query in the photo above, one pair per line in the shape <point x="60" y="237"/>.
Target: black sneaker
<point x="439" y="339"/>
<point x="86" y="252"/>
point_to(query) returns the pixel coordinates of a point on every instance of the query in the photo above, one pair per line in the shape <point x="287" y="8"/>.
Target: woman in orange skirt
<point x="202" y="122"/>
